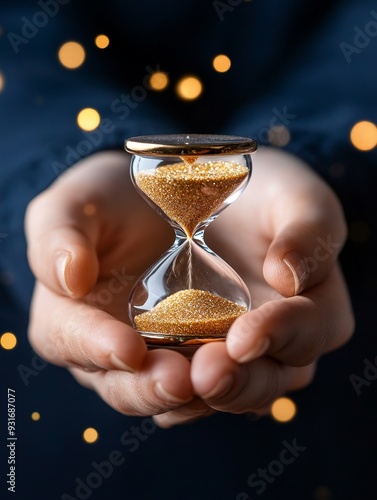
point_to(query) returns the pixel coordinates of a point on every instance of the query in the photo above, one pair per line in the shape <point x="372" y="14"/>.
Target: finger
<point x="77" y="218"/>
<point x="308" y="230"/>
<point x="73" y="333"/>
<point x="301" y="257"/>
<point x="161" y="385"/>
<point x="62" y="243"/>
<point x="185" y="414"/>
<point x="295" y="330"/>
<point x="225" y="385"/>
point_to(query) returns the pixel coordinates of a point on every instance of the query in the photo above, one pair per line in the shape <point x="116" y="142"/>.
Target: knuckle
<point x="128" y="396"/>
<point x="117" y="398"/>
<point x="65" y="348"/>
<point x="69" y="339"/>
<point x="118" y="395"/>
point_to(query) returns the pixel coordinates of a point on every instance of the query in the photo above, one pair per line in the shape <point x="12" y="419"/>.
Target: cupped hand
<point x="283" y="236"/>
<point x="90" y="235"/>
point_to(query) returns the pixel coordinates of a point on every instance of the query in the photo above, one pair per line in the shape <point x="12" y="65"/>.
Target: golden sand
<point x="189" y="194"/>
<point x="189" y="160"/>
<point x="190" y="312"/>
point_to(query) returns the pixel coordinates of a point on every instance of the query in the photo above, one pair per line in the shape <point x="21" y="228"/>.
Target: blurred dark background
<point x="302" y="75"/>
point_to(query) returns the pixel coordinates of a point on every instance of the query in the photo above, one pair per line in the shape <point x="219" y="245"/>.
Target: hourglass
<point x="190" y="296"/>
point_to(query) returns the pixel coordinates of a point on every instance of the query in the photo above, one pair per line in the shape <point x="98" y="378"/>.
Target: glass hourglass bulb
<point x="190" y="296"/>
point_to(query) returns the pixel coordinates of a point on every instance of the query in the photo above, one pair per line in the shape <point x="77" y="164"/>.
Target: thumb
<point x="61" y="244"/>
<point x="302" y="255"/>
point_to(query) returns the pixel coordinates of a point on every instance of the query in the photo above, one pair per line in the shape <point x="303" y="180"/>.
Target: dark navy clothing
<point x="309" y="66"/>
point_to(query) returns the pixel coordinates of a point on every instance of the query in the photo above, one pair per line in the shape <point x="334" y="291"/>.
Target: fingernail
<point x="221" y="388"/>
<point x="163" y="394"/>
<point x="299" y="270"/>
<point x="61" y="265"/>
<point x="257" y="351"/>
<point x="119" y="364"/>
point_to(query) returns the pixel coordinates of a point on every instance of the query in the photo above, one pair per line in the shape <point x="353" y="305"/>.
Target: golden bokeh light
<point x="159" y="80"/>
<point x="283" y="410"/>
<point x="221" y="63"/>
<point x="189" y="88"/>
<point x="1" y="82"/>
<point x="90" y="435"/>
<point x="364" y="135"/>
<point x="71" y="55"/>
<point x="35" y="416"/>
<point x="102" y="41"/>
<point x="88" y="119"/>
<point x="8" y="341"/>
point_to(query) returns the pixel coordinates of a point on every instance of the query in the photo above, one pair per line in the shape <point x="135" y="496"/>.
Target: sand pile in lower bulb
<point x="190" y="312"/>
<point x="189" y="194"/>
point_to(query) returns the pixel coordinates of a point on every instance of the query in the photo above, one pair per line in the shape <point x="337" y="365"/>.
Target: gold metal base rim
<point x="183" y="344"/>
<point x="181" y="341"/>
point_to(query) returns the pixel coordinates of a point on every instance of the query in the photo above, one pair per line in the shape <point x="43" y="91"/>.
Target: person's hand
<point x="93" y="218"/>
<point x="90" y="235"/>
<point x="283" y="236"/>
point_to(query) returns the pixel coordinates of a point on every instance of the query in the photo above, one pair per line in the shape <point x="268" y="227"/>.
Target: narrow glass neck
<point x="198" y="236"/>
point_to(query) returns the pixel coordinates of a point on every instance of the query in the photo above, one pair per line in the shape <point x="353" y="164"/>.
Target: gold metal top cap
<point x="189" y="144"/>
